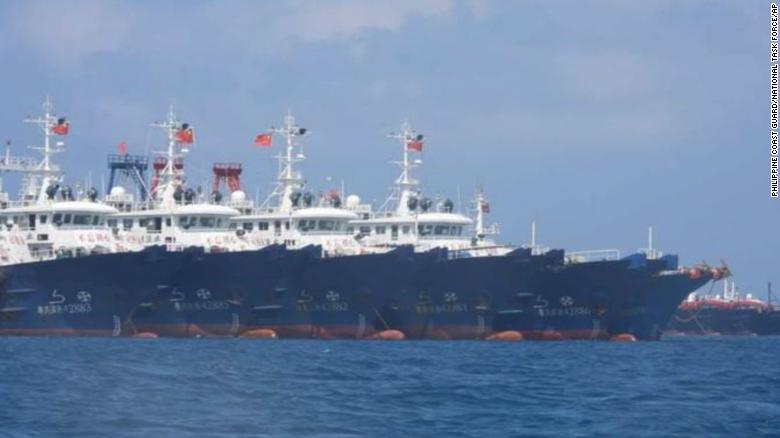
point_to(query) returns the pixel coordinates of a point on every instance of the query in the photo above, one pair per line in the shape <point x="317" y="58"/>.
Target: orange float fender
<point x="146" y="335"/>
<point x="388" y="335"/>
<point x="260" y="334"/>
<point x="509" y="335"/>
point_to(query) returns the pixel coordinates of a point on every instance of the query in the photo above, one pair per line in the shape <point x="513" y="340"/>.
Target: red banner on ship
<point x="62" y="127"/>
<point x="263" y="140"/>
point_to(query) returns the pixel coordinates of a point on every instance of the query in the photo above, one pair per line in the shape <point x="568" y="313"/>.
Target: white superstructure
<point x="175" y="215"/>
<point x="291" y="214"/>
<point x="407" y="217"/>
<point x="51" y="219"/>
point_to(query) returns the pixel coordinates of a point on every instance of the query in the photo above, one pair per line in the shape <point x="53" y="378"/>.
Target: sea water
<point x="696" y="386"/>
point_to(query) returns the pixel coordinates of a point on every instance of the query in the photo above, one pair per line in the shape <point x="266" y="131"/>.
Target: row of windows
<point x="58" y="219"/>
<point x="422" y="230"/>
<point x="320" y="225"/>
<point x="202" y="222"/>
<point x="186" y="222"/>
<point x="212" y="222"/>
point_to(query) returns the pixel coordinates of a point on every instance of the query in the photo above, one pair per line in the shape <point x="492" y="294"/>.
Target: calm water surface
<point x="150" y="388"/>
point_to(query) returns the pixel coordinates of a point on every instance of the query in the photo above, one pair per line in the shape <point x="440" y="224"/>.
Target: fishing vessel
<point x="340" y="290"/>
<point x="300" y="264"/>
<point x="730" y="312"/>
<point x="62" y="271"/>
<point x="483" y="289"/>
<point x="210" y="293"/>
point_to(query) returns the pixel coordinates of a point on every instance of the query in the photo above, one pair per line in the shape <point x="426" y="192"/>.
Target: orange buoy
<point x="388" y="335"/>
<point x="623" y="337"/>
<point x="146" y="335"/>
<point x="260" y="334"/>
<point x="509" y="335"/>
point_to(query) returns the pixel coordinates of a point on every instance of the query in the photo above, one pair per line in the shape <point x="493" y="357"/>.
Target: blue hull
<point x="86" y="296"/>
<point x="298" y="294"/>
<point x="216" y="294"/>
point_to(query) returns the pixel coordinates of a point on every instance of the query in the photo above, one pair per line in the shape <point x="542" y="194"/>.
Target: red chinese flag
<point x="263" y="140"/>
<point x="123" y="147"/>
<point x="485" y="207"/>
<point x="185" y="135"/>
<point x="61" y="128"/>
<point x="414" y="145"/>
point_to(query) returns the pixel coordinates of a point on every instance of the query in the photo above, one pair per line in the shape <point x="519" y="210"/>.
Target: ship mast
<point x="39" y="175"/>
<point x="406" y="186"/>
<point x="172" y="174"/>
<point x="289" y="180"/>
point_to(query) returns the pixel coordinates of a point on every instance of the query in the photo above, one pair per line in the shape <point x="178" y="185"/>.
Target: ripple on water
<point x="122" y="387"/>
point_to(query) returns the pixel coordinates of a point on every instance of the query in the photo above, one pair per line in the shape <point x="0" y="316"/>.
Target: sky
<point x="596" y="119"/>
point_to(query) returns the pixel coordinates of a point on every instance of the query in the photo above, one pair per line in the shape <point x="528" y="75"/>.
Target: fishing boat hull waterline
<point x="92" y="295"/>
<point x="216" y="294"/>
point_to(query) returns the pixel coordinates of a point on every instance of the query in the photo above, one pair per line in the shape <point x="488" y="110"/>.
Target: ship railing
<point x="479" y="251"/>
<point x="19" y="164"/>
<point x="247" y="204"/>
<point x="21" y="203"/>
<point x="264" y="210"/>
<point x="360" y="209"/>
<point x="595" y="255"/>
<point x="445" y="237"/>
<point x="315" y="233"/>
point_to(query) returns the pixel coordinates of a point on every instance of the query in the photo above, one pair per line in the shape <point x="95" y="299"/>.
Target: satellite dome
<point x="238" y="196"/>
<point x="353" y="201"/>
<point x="117" y="191"/>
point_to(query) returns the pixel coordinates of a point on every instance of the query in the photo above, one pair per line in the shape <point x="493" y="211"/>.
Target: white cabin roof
<point x="206" y="209"/>
<point x="422" y="218"/>
<point x="324" y="213"/>
<point x="303" y="213"/>
<point x="62" y="206"/>
<point x="183" y="210"/>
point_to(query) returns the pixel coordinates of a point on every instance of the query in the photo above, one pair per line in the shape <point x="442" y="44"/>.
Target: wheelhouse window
<point x="380" y="230"/>
<point x="262" y="226"/>
<point x="43" y="218"/>
<point x="67" y="218"/>
<point x="207" y="222"/>
<point x="112" y="223"/>
<point x="406" y="229"/>
<point x="424" y="230"/>
<point x="247" y="226"/>
<point x="441" y="230"/>
<point x="127" y="224"/>
<point x="326" y="225"/>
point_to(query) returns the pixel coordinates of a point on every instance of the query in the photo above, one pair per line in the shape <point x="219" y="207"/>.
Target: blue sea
<point x="83" y="387"/>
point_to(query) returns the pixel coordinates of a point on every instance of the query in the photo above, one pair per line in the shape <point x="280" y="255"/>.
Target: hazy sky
<point x="594" y="118"/>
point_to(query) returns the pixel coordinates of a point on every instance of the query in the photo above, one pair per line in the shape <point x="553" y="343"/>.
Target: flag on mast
<point x="415" y="145"/>
<point x="185" y="134"/>
<point x="123" y="147"/>
<point x="62" y="127"/>
<point x="263" y="140"/>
